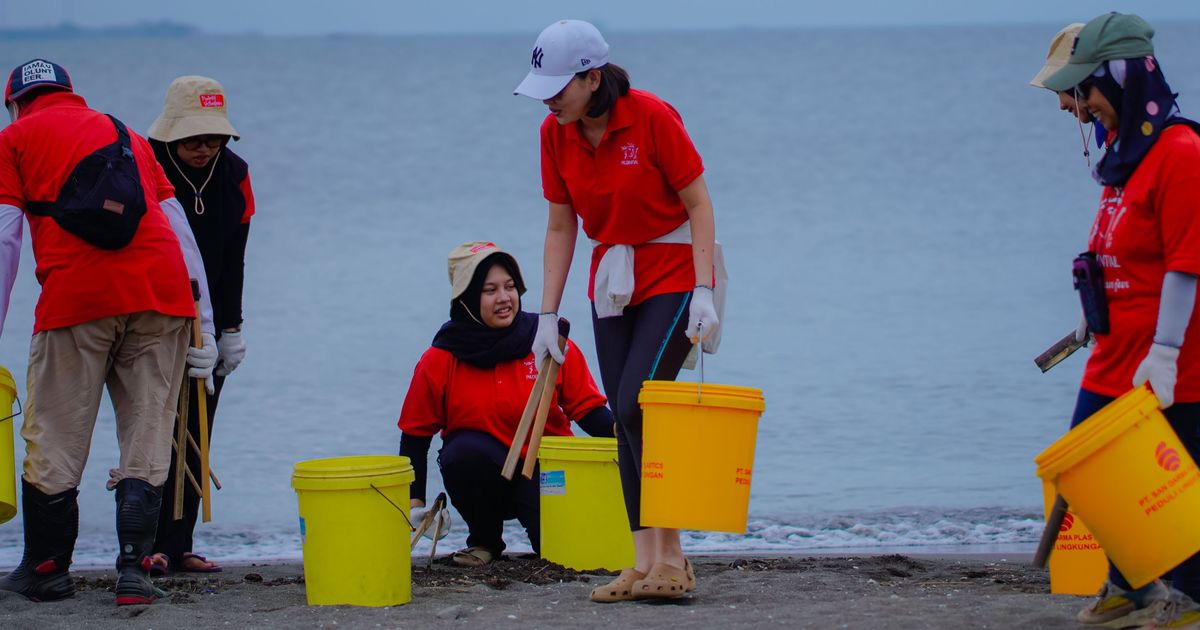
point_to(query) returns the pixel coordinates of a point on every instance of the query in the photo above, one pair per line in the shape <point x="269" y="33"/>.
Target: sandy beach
<point x="867" y="592"/>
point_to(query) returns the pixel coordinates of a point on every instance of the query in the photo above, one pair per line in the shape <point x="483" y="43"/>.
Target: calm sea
<point x="899" y="210"/>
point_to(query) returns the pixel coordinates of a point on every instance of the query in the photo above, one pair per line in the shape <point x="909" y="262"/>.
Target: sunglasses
<point x="195" y="142"/>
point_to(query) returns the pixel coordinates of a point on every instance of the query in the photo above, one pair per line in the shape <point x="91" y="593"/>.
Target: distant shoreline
<point x="68" y="30"/>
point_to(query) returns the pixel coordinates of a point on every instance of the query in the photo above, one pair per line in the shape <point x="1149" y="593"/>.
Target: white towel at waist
<point x="615" y="280"/>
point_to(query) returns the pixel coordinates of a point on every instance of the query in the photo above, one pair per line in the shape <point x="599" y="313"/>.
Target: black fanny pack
<point x="1089" y="282"/>
<point x="102" y="201"/>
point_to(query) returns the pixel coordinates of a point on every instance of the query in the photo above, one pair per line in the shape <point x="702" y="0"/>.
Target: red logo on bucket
<point x="1067" y="523"/>
<point x="212" y="100"/>
<point x="1168" y="457"/>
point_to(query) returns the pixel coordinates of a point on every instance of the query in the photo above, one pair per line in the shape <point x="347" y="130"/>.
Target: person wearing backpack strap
<point x="115" y="310"/>
<point x="191" y="142"/>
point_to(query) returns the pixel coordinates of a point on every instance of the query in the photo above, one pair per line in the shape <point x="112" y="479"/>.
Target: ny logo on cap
<point x="536" y="62"/>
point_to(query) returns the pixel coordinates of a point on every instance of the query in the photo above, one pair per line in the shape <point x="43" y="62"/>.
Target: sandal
<point x="664" y="582"/>
<point x="618" y="590"/>
<point x="472" y="557"/>
<point x="159" y="564"/>
<point x="199" y="564"/>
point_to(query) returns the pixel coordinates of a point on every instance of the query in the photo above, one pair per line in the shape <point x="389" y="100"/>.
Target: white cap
<point x="563" y="49"/>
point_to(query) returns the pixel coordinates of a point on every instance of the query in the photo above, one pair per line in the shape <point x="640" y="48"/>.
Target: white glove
<point x="546" y="340"/>
<point x="1081" y="331"/>
<point x="201" y="360"/>
<point x="231" y="348"/>
<point x="434" y="527"/>
<point x="1159" y="367"/>
<point x="702" y="316"/>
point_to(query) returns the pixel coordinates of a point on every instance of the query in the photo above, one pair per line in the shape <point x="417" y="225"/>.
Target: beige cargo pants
<point x="141" y="357"/>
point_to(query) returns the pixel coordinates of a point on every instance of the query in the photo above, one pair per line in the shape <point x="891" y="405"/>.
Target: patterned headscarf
<point x="1145" y="105"/>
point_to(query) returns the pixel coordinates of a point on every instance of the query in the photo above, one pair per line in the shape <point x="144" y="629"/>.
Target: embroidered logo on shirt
<point x="212" y="100"/>
<point x="530" y="370"/>
<point x="629" y="152"/>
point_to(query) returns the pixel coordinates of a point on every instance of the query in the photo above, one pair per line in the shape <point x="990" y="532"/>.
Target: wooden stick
<point x="181" y="430"/>
<point x="1055" y="354"/>
<point x="211" y="475"/>
<point x="202" y="407"/>
<point x="514" y="451"/>
<point x="191" y="479"/>
<point x="1050" y="534"/>
<point x="539" y="422"/>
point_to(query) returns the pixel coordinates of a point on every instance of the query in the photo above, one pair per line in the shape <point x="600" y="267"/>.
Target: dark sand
<point x="867" y="592"/>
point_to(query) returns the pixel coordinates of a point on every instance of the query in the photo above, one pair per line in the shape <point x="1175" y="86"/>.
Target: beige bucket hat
<point x="465" y="258"/>
<point x="1059" y="54"/>
<point x="195" y="106"/>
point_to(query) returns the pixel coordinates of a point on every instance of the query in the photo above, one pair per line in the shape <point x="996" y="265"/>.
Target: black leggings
<point x="646" y="342"/>
<point x="174" y="538"/>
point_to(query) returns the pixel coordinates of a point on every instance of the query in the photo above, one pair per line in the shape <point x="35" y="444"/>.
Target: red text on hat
<point x="212" y="100"/>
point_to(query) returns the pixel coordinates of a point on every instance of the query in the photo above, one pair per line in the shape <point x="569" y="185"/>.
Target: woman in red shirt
<point x="621" y="161"/>
<point x="472" y="385"/>
<point x="1144" y="251"/>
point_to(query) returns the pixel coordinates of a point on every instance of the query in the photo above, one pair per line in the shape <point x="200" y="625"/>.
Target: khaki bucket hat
<point x="1060" y="52"/>
<point x="465" y="258"/>
<point x="195" y="106"/>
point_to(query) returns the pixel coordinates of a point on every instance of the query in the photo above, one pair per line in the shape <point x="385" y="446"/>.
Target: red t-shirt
<point x="448" y="395"/>
<point x="626" y="189"/>
<point x="1142" y="231"/>
<point x="80" y="282"/>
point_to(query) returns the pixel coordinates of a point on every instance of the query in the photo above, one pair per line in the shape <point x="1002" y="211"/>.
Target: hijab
<point x="1144" y="104"/>
<point x="470" y="340"/>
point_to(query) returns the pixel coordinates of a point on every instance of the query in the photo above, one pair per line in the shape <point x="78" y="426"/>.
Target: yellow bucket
<point x="1078" y="565"/>
<point x="1125" y="472"/>
<point x="354" y="529"/>
<point x="8" y="467"/>
<point x="698" y="454"/>
<point x="581" y="502"/>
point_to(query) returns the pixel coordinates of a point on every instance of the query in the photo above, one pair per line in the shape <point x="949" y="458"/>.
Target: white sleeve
<point x="12" y="225"/>
<point x="192" y="258"/>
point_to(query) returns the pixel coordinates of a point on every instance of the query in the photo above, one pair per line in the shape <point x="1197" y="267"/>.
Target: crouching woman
<point x="471" y="386"/>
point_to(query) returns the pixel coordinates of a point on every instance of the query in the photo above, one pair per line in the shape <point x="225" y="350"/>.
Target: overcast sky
<point x="297" y="17"/>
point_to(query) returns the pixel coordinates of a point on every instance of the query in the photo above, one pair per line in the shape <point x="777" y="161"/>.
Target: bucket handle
<point x="700" y="350"/>
<point x="398" y="509"/>
<point x="19" y="410"/>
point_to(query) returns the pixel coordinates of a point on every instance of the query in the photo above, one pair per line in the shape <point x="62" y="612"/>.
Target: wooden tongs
<point x="539" y="402"/>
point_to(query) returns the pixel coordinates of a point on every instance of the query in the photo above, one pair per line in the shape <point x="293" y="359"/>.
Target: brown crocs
<point x="618" y="590"/>
<point x="664" y="582"/>
<point x="691" y="575"/>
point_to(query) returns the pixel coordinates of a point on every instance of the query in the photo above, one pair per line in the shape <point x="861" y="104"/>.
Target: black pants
<point x="174" y="538"/>
<point x="646" y="342"/>
<point x="470" y="462"/>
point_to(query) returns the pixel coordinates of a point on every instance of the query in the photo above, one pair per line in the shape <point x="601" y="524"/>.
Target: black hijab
<point x="470" y="340"/>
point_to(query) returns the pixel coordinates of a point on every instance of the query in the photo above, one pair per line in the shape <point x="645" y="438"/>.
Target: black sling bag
<point x="102" y="201"/>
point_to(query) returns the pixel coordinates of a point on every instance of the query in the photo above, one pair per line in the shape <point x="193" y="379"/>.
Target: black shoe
<point x="138" y="503"/>
<point x="51" y="525"/>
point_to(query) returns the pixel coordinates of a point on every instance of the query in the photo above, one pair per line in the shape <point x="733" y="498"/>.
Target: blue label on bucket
<point x="554" y="482"/>
<point x="303" y="532"/>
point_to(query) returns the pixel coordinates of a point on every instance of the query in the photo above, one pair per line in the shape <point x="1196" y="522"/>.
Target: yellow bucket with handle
<point x="354" y="529"/>
<point x="8" y="462"/>
<point x="1125" y="472"/>
<point x="698" y="454"/>
<point x="584" y="525"/>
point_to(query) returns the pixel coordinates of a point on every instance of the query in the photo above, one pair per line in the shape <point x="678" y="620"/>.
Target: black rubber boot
<point x="51" y="525"/>
<point x="137" y="519"/>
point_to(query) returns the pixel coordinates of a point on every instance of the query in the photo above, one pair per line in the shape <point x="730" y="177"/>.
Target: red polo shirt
<point x="626" y="189"/>
<point x="80" y="282"/>
<point x="1142" y="231"/>
<point x="448" y="395"/>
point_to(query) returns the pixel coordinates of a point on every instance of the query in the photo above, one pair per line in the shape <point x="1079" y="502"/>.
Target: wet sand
<point x="866" y="592"/>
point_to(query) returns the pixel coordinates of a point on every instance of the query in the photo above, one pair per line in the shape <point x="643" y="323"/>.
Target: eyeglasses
<point x="194" y="143"/>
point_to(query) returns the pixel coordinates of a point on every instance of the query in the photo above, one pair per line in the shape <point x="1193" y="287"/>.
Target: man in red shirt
<point x="109" y="313"/>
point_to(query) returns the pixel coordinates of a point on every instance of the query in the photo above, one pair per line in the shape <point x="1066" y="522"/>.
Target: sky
<point x="296" y="17"/>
